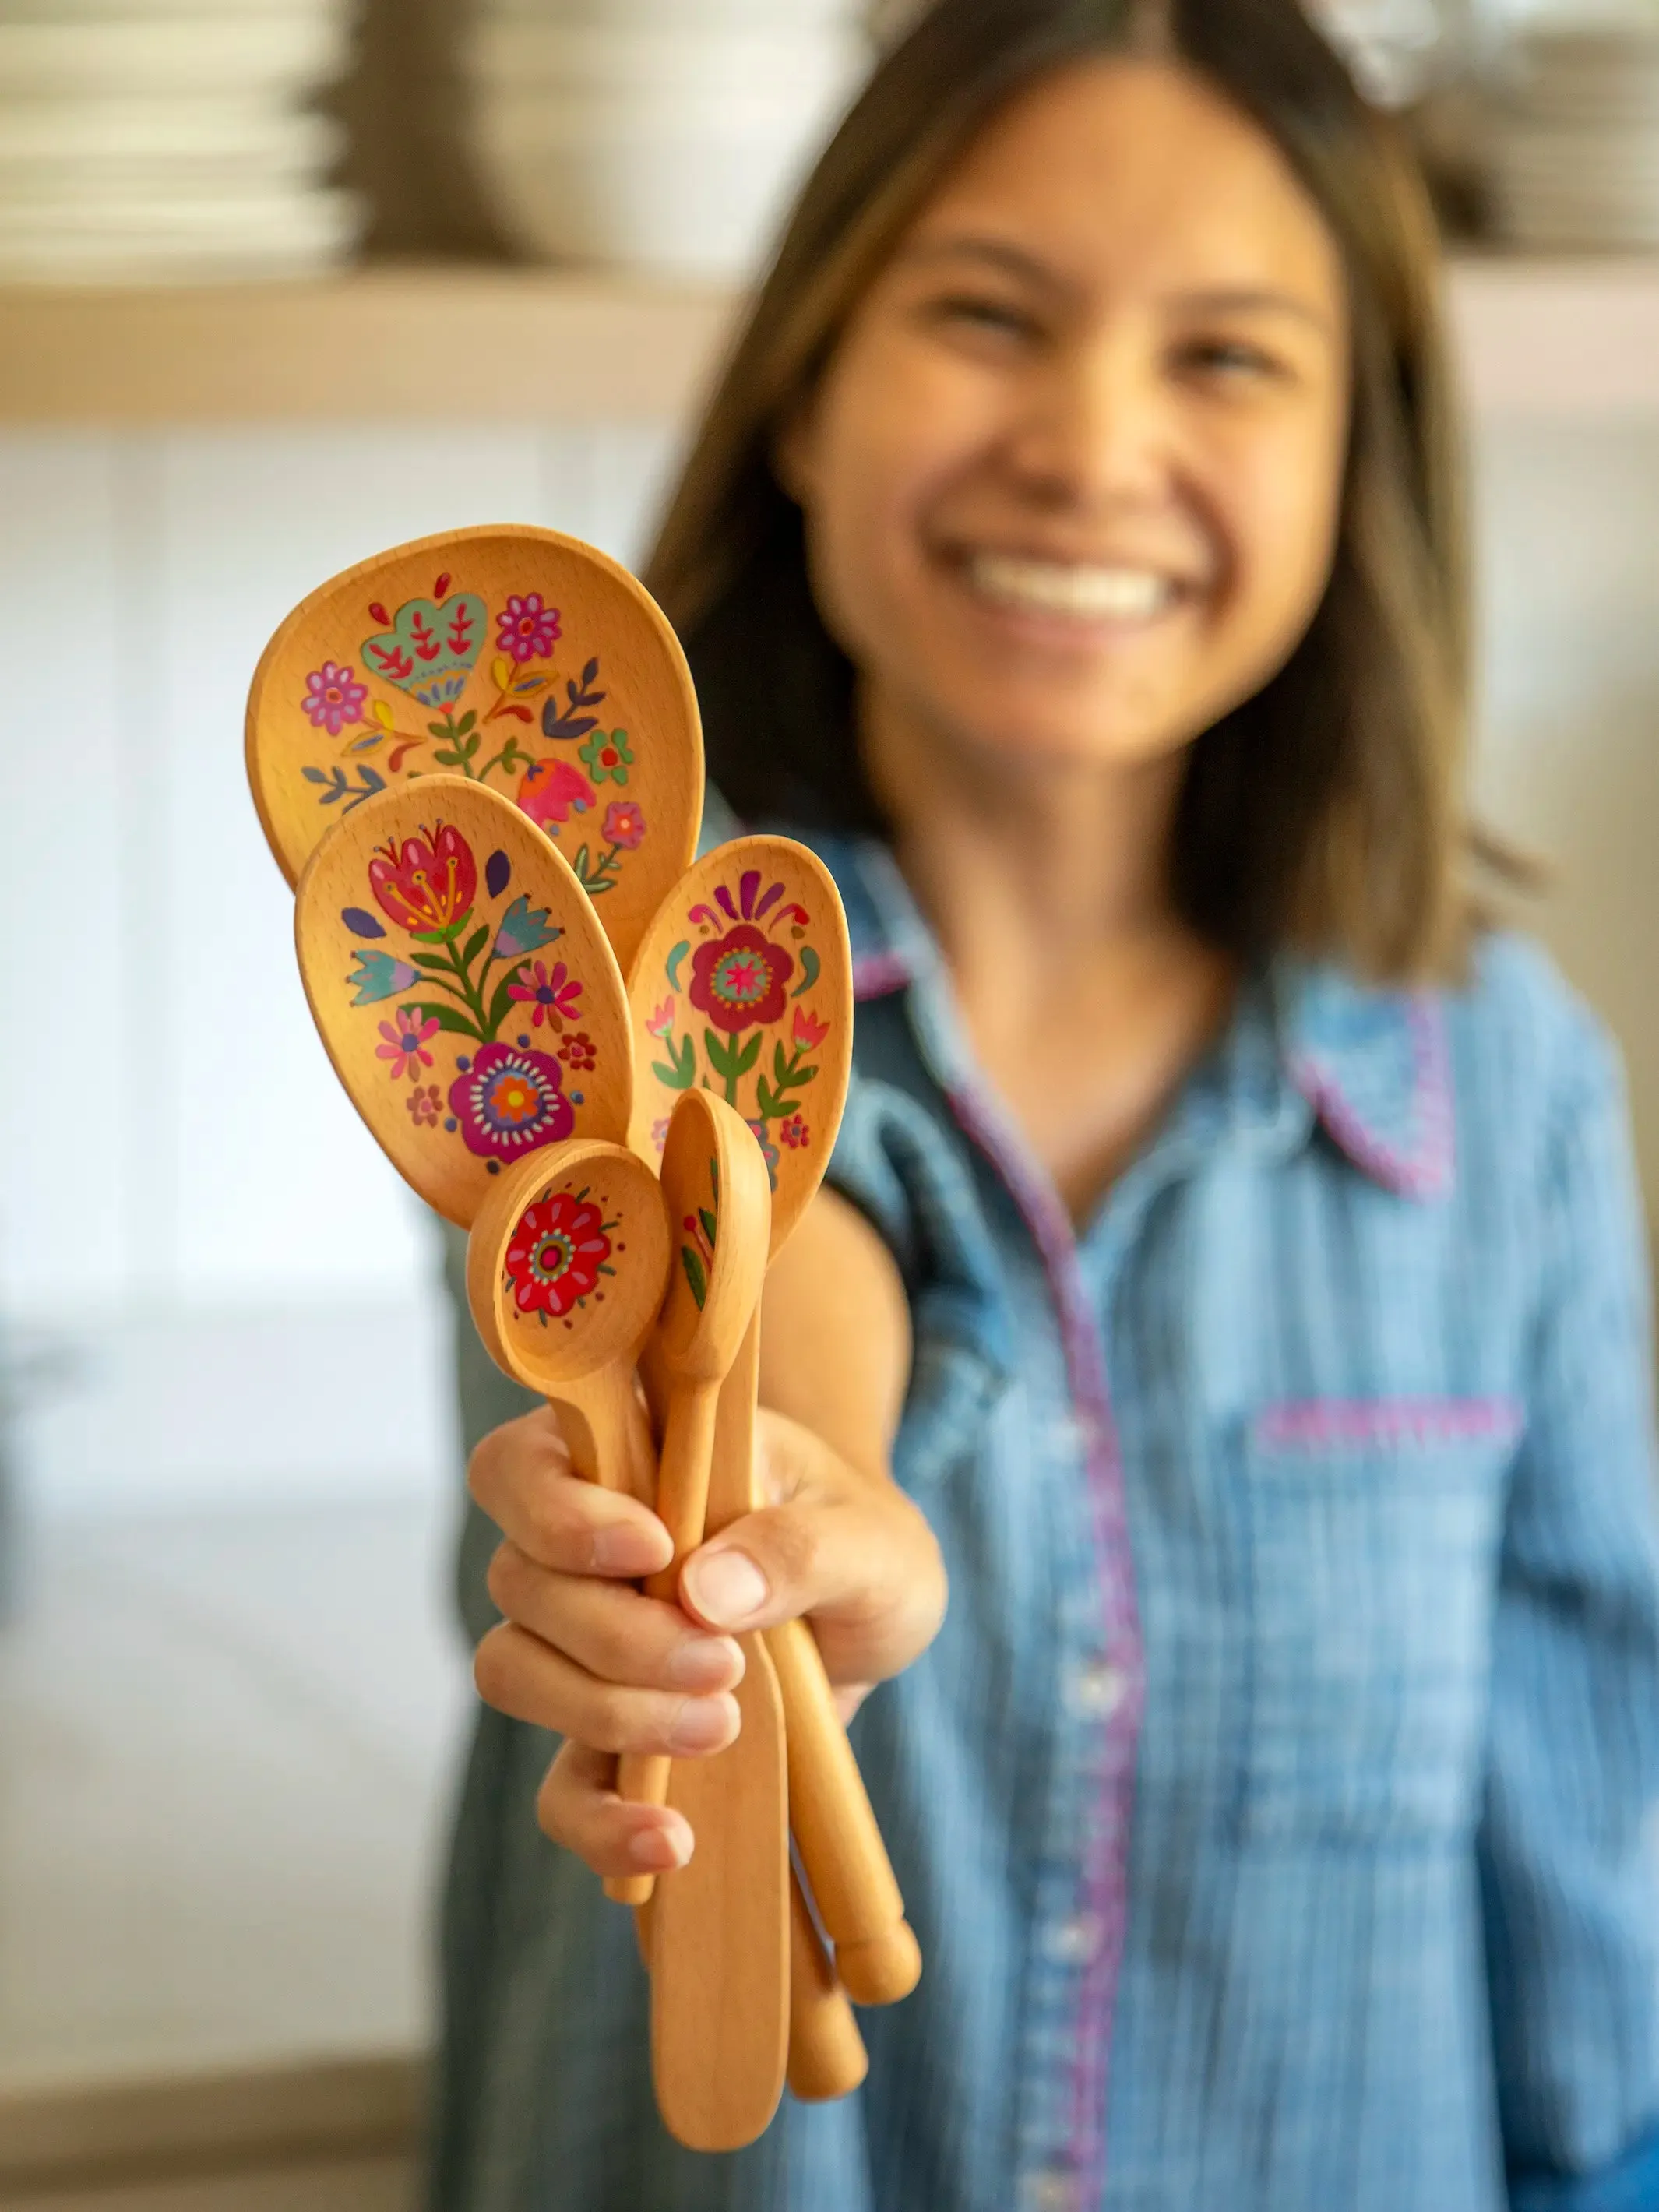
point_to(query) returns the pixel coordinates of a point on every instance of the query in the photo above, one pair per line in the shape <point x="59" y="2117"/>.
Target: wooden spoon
<point x="469" y="999"/>
<point x="717" y="1204"/>
<point x="775" y="893"/>
<point x="565" y="1268"/>
<point x="515" y="657"/>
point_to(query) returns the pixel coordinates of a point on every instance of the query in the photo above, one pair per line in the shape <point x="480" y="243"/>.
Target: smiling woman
<point x="1073" y="553"/>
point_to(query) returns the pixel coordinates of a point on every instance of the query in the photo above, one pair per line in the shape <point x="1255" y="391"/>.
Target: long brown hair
<point x="1323" y="813"/>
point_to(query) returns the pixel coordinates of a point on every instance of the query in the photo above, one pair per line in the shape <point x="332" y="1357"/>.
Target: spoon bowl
<point x="519" y="658"/>
<point x="469" y="1000"/>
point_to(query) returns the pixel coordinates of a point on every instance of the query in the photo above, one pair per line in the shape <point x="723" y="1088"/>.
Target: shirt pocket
<point x="1373" y="1532"/>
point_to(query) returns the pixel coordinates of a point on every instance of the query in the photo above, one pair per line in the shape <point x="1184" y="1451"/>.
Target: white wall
<point x="186" y="1199"/>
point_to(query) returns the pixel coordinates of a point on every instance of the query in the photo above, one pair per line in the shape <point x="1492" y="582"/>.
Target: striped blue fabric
<point x="1276" y="1809"/>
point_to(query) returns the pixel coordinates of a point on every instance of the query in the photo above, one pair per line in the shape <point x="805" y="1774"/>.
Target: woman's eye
<point x="994" y="317"/>
<point x="1232" y="358"/>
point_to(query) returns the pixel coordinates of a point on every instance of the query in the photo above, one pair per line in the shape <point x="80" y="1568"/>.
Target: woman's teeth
<point x="1055" y="587"/>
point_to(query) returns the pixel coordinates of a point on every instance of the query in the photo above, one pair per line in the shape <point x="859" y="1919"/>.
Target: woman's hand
<point x="613" y="1671"/>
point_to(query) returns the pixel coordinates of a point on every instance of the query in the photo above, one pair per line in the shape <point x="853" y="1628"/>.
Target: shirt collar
<point x="1308" y="1044"/>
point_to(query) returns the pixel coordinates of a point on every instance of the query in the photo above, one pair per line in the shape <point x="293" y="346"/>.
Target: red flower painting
<point x="739" y="980"/>
<point x="429" y="885"/>
<point x="551" y="790"/>
<point x="557" y="1253"/>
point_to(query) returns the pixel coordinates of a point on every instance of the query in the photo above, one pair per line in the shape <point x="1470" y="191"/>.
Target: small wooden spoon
<point x="515" y="657"/>
<point x="565" y="1268"/>
<point x="469" y="999"/>
<point x="717" y="1204"/>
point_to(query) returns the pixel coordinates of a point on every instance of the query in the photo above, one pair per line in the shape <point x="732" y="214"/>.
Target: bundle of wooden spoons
<point x="479" y="759"/>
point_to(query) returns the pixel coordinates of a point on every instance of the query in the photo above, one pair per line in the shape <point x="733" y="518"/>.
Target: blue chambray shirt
<point x="1276" y="1806"/>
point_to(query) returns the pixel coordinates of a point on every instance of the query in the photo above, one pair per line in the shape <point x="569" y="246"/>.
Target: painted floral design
<point x="577" y="1051"/>
<point x="559" y="1249"/>
<point x="507" y="1100"/>
<point x="624" y="825"/>
<point x="509" y="718"/>
<point x="527" y="629"/>
<point x="701" y="1230"/>
<point x="744" y="972"/>
<point x="552" y="994"/>
<point x="608" y="755"/>
<point x="552" y="790"/>
<point x="406" y="1042"/>
<point x="428" y="886"/>
<point x="334" y="698"/>
<point x="425" y="1103"/>
<point x="739" y="980"/>
<point x="378" y="976"/>
<point x="660" y="1132"/>
<point x="524" y="928"/>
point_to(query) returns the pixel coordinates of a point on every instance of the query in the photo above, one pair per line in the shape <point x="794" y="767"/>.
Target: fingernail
<point x="623" y="1549"/>
<point x="726" y="1586"/>
<point x="704" y="1725"/>
<point x="705" y="1663"/>
<point x="658" y="1850"/>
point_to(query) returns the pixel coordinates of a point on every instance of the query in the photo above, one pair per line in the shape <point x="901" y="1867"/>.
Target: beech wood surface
<point x="580" y="611"/>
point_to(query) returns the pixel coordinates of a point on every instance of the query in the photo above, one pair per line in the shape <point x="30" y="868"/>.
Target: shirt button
<point x="1098" y="1690"/>
<point x="1074" y="1942"/>
<point x="1049" y="2192"/>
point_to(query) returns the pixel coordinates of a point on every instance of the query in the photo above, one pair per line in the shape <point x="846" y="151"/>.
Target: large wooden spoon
<point x="515" y="657"/>
<point x="470" y="1002"/>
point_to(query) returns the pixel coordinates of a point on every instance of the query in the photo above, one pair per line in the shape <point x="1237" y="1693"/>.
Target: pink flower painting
<point x="334" y="698"/>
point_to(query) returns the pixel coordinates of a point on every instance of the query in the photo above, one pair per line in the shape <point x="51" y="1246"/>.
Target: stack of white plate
<point x="168" y="141"/>
<point x="1575" y="146"/>
<point x="662" y="135"/>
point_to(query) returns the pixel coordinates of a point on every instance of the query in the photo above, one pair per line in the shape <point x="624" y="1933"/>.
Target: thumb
<point x="864" y="1568"/>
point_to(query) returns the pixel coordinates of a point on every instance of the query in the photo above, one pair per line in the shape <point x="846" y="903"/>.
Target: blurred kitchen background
<point x="282" y="281"/>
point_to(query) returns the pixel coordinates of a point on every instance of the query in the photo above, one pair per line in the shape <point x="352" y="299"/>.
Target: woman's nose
<point x="1097" y="429"/>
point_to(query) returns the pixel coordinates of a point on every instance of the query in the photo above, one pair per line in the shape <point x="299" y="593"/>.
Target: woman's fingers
<point x="850" y="1553"/>
<point x="529" y="1680"/>
<point x="612" y="1631"/>
<point x="520" y="1475"/>
<point x="578" y="1806"/>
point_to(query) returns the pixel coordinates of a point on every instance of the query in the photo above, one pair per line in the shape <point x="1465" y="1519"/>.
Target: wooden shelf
<point x="482" y="344"/>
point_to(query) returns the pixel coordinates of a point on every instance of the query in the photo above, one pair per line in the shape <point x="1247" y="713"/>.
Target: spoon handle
<point x="687" y="1447"/>
<point x="827" y="2056"/>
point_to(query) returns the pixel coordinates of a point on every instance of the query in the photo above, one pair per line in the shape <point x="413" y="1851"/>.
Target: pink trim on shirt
<point x="1335" y="1424"/>
<point x="1425" y="1170"/>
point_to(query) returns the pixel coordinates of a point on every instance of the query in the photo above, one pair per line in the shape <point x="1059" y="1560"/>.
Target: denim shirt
<point x="1276" y="1809"/>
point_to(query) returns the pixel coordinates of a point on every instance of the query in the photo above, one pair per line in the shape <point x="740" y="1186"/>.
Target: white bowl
<point x="172" y="242"/>
<point x="289" y="54"/>
<point x="690" y="63"/>
<point x="705" y="17"/>
<point x="646" y="186"/>
<point x="300" y="154"/>
<point x="212" y="128"/>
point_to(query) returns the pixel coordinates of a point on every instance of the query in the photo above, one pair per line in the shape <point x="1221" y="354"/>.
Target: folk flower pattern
<point x="624" y="825"/>
<point x="527" y="629"/>
<point x="378" y="976"/>
<point x="552" y="994"/>
<point x="334" y="698"/>
<point x="699" y="1232"/>
<point x="739" y="980"/>
<point x="746" y="966"/>
<point x="508" y="1100"/>
<point x="552" y="791"/>
<point x="429" y="883"/>
<point x="559" y="1249"/>
<point x="577" y="1051"/>
<point x="509" y="718"/>
<point x="406" y="1042"/>
<point x="425" y="1103"/>
<point x="608" y="755"/>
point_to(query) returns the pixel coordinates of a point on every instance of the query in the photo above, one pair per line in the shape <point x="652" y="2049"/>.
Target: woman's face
<point x="1071" y="479"/>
